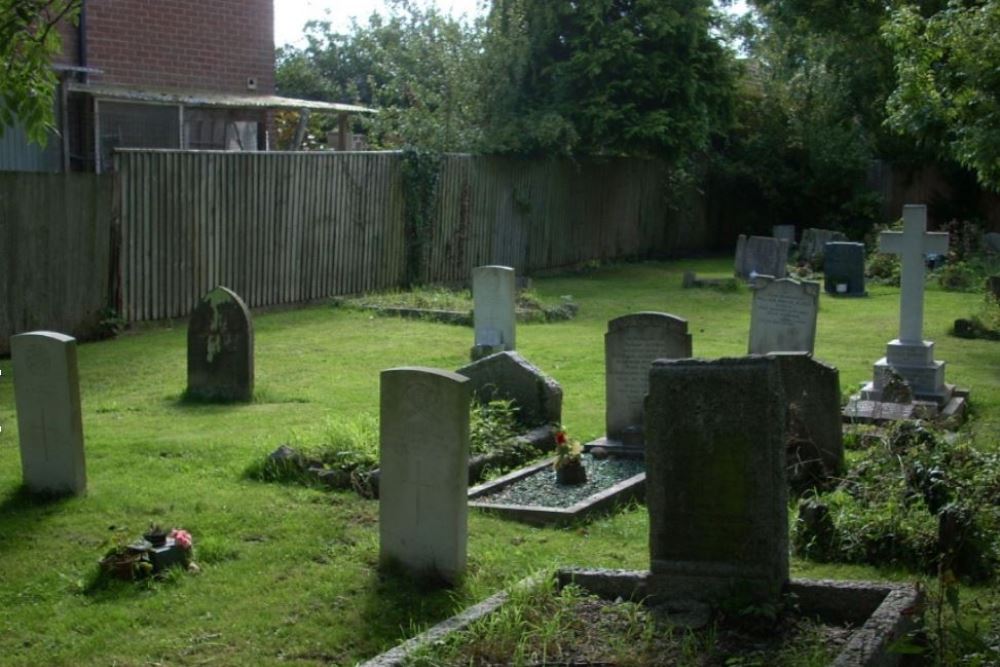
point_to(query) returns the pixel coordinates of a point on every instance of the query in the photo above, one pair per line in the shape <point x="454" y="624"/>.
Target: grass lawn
<point x="289" y="573"/>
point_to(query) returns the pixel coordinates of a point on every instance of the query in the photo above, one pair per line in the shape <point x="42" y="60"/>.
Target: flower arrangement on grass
<point x="568" y="464"/>
<point x="146" y="557"/>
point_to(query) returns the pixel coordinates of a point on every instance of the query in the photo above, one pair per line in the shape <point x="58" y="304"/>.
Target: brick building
<point x="163" y="74"/>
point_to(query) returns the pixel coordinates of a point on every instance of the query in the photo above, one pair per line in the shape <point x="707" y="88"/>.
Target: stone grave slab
<point x="844" y="269"/>
<point x="494" y="292"/>
<point x="715" y="478"/>
<point x="424" y="454"/>
<point x="783" y="316"/>
<point x="812" y="247"/>
<point x="508" y="376"/>
<point x="760" y="256"/>
<point x="631" y="344"/>
<point x="49" y="421"/>
<point x="220" y="353"/>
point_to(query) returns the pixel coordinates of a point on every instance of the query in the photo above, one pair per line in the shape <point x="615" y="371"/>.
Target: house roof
<point x="203" y="99"/>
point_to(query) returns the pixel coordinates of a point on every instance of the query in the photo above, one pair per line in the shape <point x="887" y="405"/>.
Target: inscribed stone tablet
<point x="493" y="295"/>
<point x="220" y="348"/>
<point x="783" y="316"/>
<point x="424" y="454"/>
<point x="50" y="426"/>
<point x="715" y="478"/>
<point x="630" y="346"/>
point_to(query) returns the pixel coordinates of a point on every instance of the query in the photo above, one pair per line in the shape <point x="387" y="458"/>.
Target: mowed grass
<point x="289" y="574"/>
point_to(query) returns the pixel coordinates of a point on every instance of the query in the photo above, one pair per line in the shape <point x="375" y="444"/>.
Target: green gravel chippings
<point x="541" y="489"/>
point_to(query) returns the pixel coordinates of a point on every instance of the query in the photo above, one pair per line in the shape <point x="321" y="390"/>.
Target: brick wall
<point x="207" y="45"/>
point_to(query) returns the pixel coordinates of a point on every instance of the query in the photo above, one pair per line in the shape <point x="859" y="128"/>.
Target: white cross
<point x="911" y="245"/>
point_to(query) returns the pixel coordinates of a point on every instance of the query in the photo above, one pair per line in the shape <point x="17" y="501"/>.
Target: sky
<point x="291" y="15"/>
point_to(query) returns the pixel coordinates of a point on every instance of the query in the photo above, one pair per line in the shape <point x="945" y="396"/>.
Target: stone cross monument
<point x="910" y="355"/>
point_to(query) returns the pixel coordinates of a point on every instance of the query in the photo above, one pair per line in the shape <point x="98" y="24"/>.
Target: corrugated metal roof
<point x="203" y="99"/>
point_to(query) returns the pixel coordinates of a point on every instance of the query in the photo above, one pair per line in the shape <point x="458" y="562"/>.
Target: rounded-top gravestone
<point x="220" y="348"/>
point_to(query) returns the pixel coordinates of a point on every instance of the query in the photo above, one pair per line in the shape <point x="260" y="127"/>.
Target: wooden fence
<point x="281" y="228"/>
<point x="55" y="253"/>
<point x="293" y="227"/>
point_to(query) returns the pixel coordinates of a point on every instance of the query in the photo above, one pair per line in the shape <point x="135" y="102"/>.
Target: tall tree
<point x="29" y="39"/>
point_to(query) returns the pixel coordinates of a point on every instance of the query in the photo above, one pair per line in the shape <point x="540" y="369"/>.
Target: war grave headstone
<point x="813" y="428"/>
<point x="424" y="454"/>
<point x="220" y="352"/>
<point x="631" y="344"/>
<point x="812" y="247"/>
<point x="509" y="376"/>
<point x="494" y="292"/>
<point x="49" y="421"/>
<point x="784" y="233"/>
<point x="760" y="256"/>
<point x="844" y="269"/>
<point x="783" y="316"/>
<point x="909" y="356"/>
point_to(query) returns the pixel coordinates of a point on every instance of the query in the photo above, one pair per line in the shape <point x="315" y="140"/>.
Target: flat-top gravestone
<point x="220" y="348"/>
<point x="631" y="344"/>
<point x="784" y="233"/>
<point x="50" y="426"/>
<point x="812" y="395"/>
<point x="424" y="454"/>
<point x="508" y="376"/>
<point x="813" y="245"/>
<point x="715" y="479"/>
<point x="783" y="316"/>
<point x="761" y="256"/>
<point x="494" y="292"/>
<point x="844" y="269"/>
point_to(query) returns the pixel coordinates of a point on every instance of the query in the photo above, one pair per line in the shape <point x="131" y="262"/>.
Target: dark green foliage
<point x="913" y="500"/>
<point x="29" y="40"/>
<point x="421" y="176"/>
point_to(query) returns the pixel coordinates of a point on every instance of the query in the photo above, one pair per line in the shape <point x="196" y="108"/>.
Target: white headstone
<point x="493" y="294"/>
<point x="50" y="426"/>
<point x="783" y="316"/>
<point x="424" y="452"/>
<point x="631" y="344"/>
<point x="910" y="355"/>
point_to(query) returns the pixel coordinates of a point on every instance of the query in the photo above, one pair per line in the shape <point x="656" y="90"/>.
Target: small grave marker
<point x="424" y="452"/>
<point x="220" y="348"/>
<point x="50" y="425"/>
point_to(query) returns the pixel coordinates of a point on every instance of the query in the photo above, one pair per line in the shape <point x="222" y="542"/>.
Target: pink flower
<point x="182" y="538"/>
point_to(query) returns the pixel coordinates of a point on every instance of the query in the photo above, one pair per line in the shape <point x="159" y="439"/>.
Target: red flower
<point x="560" y="438"/>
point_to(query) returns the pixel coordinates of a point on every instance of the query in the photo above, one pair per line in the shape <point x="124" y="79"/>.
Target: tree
<point x="603" y="77"/>
<point x="948" y="91"/>
<point x="28" y="41"/>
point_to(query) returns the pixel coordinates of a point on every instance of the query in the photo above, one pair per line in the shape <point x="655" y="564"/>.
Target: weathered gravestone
<point x="715" y="479"/>
<point x="761" y="256"/>
<point x="220" y="348"/>
<point x="783" y="316"/>
<point x="50" y="426"/>
<point x="424" y="454"/>
<point x="784" y="233"/>
<point x="631" y="344"/>
<point x="844" y="269"/>
<point x="813" y="428"/>
<point x="508" y="376"/>
<point x="813" y="244"/>
<point x="494" y="292"/>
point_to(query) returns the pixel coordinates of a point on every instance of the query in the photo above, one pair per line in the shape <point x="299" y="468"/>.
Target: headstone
<point x="761" y="256"/>
<point x="508" y="376"/>
<point x="424" y="455"/>
<point x="493" y="295"/>
<point x="49" y="422"/>
<point x="812" y="395"/>
<point x="631" y="344"/>
<point x="910" y="355"/>
<point x="784" y="233"/>
<point x="783" y="316"/>
<point x="813" y="244"/>
<point x="715" y="479"/>
<point x="991" y="242"/>
<point x="220" y="348"/>
<point x="844" y="269"/>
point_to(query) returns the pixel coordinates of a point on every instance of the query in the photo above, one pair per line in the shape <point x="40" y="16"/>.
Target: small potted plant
<point x="568" y="465"/>
<point x="156" y="535"/>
